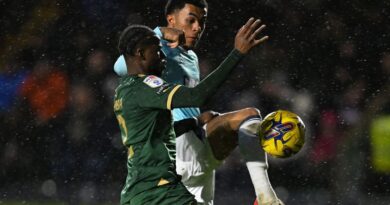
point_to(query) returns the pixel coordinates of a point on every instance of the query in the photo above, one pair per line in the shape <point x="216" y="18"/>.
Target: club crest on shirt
<point x="153" y="81"/>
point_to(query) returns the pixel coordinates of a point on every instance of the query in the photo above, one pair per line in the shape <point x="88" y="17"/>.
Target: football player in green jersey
<point x="195" y="161"/>
<point x="142" y="105"/>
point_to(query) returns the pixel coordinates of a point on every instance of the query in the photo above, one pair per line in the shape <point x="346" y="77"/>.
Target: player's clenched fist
<point x="246" y="37"/>
<point x="175" y="37"/>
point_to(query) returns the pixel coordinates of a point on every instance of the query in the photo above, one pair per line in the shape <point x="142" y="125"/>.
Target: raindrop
<point x="49" y="188"/>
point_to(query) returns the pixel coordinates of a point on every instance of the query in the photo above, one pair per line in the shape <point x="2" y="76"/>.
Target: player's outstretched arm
<point x="245" y="40"/>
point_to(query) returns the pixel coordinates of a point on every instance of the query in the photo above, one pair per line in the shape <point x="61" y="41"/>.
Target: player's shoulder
<point x="152" y="81"/>
<point x="134" y="85"/>
<point x="128" y="82"/>
<point x="138" y="85"/>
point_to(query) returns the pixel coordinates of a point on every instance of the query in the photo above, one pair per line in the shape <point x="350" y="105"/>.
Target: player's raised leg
<point x="240" y="128"/>
<point x="222" y="131"/>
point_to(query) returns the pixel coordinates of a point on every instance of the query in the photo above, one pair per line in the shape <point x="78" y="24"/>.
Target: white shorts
<point x="196" y="164"/>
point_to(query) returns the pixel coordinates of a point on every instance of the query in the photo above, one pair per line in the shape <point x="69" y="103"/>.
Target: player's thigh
<point x="222" y="131"/>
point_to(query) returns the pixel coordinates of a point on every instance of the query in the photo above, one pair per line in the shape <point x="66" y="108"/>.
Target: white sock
<point x="256" y="160"/>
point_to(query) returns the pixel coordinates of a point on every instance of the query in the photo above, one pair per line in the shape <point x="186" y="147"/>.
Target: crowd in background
<point x="327" y="60"/>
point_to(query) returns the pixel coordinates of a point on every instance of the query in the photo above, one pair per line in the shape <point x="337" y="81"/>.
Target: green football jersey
<point x="142" y="107"/>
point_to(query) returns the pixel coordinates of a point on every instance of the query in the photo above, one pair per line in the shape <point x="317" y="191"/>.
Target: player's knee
<point x="243" y="115"/>
<point x="249" y="112"/>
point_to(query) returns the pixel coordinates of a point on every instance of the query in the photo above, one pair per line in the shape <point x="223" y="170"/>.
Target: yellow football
<point x="282" y="133"/>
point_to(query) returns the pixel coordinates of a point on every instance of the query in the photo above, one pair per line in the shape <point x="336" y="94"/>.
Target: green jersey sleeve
<point x="153" y="92"/>
<point x="187" y="97"/>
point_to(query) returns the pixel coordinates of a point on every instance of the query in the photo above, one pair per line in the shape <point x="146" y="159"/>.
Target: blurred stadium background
<point x="327" y="60"/>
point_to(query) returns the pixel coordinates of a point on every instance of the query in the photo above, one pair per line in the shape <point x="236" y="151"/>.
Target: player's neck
<point x="135" y="71"/>
<point x="134" y="68"/>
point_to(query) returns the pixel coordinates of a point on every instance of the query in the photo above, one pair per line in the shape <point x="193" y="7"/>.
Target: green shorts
<point x="169" y="194"/>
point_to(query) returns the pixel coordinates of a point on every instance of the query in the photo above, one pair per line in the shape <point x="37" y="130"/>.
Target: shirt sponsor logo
<point x="153" y="81"/>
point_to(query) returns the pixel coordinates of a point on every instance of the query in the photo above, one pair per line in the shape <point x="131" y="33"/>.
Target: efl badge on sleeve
<point x="153" y="81"/>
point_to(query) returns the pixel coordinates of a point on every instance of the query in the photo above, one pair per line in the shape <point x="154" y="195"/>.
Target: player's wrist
<point x="163" y="32"/>
<point x="237" y="53"/>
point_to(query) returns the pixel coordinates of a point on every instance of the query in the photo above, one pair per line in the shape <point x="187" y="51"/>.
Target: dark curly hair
<point x="173" y="5"/>
<point x="131" y="37"/>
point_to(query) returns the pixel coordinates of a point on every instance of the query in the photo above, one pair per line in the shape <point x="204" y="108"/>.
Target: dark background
<point x="327" y="60"/>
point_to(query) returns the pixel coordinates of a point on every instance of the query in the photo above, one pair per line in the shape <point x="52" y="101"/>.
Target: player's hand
<point x="175" y="37"/>
<point x="246" y="38"/>
<point x="206" y="117"/>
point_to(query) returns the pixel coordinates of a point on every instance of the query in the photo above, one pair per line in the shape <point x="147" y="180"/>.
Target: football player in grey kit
<point x="197" y="159"/>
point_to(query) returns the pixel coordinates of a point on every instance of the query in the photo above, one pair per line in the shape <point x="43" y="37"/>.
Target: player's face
<point x="192" y="20"/>
<point x="154" y="58"/>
